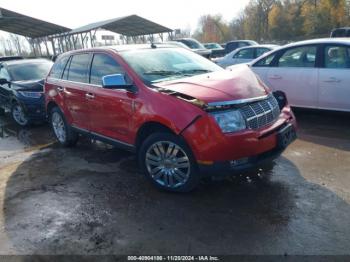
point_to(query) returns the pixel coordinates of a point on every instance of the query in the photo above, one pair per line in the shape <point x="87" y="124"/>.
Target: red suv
<point x="184" y="116"/>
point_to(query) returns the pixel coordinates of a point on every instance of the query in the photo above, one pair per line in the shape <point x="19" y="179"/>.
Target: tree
<point x="212" y="28"/>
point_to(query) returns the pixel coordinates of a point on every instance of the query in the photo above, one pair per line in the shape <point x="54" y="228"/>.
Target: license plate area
<point x="286" y="136"/>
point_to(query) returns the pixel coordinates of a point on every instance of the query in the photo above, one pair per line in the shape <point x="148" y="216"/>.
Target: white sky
<point x="173" y="14"/>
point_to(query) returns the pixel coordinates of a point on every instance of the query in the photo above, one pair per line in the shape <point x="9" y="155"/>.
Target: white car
<point x="243" y="55"/>
<point x="313" y="73"/>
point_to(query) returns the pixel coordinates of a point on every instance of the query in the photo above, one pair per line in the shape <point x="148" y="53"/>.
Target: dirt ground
<point x="92" y="199"/>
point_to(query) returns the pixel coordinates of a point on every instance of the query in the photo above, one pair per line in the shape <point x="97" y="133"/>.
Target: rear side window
<point x="78" y="69"/>
<point x="304" y="56"/>
<point x="101" y="66"/>
<point x="337" y="57"/>
<point x="58" y="67"/>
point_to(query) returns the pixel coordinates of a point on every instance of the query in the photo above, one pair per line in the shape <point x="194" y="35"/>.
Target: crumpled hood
<point x="240" y="83"/>
<point x="30" y="85"/>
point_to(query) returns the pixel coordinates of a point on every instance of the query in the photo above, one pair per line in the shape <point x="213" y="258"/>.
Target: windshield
<point x="165" y="64"/>
<point x="29" y="71"/>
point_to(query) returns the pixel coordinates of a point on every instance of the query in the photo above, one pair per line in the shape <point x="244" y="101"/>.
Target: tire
<point x="170" y="160"/>
<point x="65" y="135"/>
<point x="18" y="115"/>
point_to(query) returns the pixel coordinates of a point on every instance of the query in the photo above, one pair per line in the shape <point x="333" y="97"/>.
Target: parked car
<point x="313" y="73"/>
<point x="243" y="55"/>
<point x="174" y="43"/>
<point x="9" y="58"/>
<point x="195" y="46"/>
<point x="183" y="115"/>
<point x="21" y="89"/>
<point x="341" y="32"/>
<point x="216" y="49"/>
<point x="233" y="45"/>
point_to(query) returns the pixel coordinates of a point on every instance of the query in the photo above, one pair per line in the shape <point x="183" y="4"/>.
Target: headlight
<point x="229" y="121"/>
<point x="30" y="94"/>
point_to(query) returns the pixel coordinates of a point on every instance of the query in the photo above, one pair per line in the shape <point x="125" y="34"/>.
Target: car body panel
<point x="121" y="114"/>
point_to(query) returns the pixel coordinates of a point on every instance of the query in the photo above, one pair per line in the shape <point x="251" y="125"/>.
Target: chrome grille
<point x="261" y="113"/>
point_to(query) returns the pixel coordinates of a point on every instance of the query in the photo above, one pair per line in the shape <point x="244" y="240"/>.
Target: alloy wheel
<point x="168" y="164"/>
<point x="58" y="127"/>
<point x="19" y="115"/>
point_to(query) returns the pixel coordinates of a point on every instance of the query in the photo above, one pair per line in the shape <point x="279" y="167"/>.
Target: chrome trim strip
<point x="102" y="136"/>
<point x="238" y="101"/>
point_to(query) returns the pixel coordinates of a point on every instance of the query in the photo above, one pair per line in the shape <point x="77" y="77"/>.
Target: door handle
<point x="275" y="77"/>
<point x="89" y="95"/>
<point x="332" y="80"/>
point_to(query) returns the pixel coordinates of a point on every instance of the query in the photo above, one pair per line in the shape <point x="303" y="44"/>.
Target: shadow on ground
<point x="332" y="127"/>
<point x="92" y="200"/>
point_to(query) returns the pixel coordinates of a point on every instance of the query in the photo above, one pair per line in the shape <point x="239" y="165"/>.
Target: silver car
<point x="313" y="73"/>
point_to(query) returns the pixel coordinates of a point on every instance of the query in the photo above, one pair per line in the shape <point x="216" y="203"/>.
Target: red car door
<point x="110" y="110"/>
<point x="76" y="88"/>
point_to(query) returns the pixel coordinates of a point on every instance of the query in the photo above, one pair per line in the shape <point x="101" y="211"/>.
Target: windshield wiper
<point x="195" y="71"/>
<point x="162" y="72"/>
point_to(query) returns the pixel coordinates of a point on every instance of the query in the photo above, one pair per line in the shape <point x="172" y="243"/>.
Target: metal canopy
<point x="132" y="25"/>
<point x="16" y="23"/>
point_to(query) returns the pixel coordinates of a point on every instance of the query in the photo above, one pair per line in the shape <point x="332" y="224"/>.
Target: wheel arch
<point x="149" y="128"/>
<point x="49" y="107"/>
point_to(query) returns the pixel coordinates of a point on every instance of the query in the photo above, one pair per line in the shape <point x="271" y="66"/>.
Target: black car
<point x="195" y="46"/>
<point x="21" y="89"/>
<point x="341" y="32"/>
<point x="233" y="45"/>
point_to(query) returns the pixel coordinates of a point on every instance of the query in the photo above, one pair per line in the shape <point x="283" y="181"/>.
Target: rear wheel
<point x="63" y="132"/>
<point x="18" y="115"/>
<point x="168" y="163"/>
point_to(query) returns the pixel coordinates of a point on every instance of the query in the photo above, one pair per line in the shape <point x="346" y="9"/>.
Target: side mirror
<point x="116" y="81"/>
<point x="4" y="81"/>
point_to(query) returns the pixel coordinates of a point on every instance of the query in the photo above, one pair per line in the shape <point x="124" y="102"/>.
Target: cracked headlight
<point x="229" y="121"/>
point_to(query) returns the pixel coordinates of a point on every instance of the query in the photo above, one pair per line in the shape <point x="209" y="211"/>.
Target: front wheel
<point x="64" y="133"/>
<point x="18" y="115"/>
<point x="168" y="163"/>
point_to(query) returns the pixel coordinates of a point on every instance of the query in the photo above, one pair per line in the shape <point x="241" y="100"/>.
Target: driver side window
<point x="101" y="66"/>
<point x="304" y="56"/>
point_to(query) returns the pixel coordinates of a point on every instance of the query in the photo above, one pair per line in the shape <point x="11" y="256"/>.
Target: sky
<point x="174" y="14"/>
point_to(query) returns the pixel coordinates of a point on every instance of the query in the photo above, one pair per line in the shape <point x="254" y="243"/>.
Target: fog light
<point x="240" y="161"/>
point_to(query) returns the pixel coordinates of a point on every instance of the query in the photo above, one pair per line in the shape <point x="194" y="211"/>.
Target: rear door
<point x="76" y="87"/>
<point x="294" y="71"/>
<point x="334" y="80"/>
<point x="110" y="109"/>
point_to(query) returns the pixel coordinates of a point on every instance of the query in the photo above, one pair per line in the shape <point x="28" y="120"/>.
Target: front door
<point x="296" y="74"/>
<point x="110" y="110"/>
